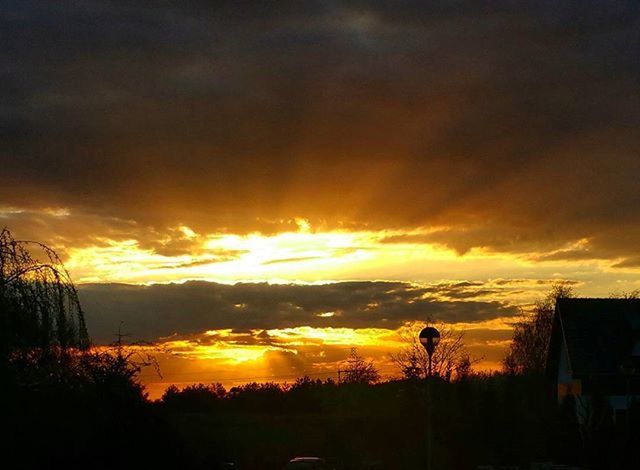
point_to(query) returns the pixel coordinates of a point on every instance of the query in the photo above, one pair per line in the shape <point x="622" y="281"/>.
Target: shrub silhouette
<point x="67" y="404"/>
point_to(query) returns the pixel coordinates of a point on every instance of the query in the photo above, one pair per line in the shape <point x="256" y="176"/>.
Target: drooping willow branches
<point x="39" y="306"/>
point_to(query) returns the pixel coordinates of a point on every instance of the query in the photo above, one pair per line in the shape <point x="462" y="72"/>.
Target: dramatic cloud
<point x="211" y="332"/>
<point x="179" y="310"/>
<point x="509" y="126"/>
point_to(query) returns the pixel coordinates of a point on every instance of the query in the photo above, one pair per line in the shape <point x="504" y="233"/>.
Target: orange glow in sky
<point x="305" y="256"/>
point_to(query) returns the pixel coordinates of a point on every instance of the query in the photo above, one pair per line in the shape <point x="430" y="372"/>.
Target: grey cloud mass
<point x="513" y="124"/>
<point x="162" y="310"/>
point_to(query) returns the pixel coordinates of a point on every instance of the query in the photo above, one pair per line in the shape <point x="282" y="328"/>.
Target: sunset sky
<point x="260" y="186"/>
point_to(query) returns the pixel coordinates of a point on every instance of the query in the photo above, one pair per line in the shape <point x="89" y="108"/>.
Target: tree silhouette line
<point x="66" y="403"/>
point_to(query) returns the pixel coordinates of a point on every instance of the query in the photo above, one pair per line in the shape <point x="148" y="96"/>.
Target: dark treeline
<point x="482" y="419"/>
<point x="89" y="413"/>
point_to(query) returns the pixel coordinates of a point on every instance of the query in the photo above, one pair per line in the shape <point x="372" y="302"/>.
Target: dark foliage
<point x="65" y="404"/>
<point x="359" y="371"/>
<point x="532" y="334"/>
<point x="39" y="309"/>
<point x="450" y="360"/>
<point x="481" y="419"/>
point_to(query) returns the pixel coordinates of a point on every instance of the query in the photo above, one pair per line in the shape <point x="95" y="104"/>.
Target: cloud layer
<point x="514" y="126"/>
<point x="180" y="310"/>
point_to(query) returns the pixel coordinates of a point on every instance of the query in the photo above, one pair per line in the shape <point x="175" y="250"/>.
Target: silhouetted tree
<point x="630" y="295"/>
<point x="463" y="367"/>
<point x="449" y="360"/>
<point x="359" y="371"/>
<point x="66" y="403"/>
<point x="531" y="335"/>
<point x="195" y="397"/>
<point x="40" y="314"/>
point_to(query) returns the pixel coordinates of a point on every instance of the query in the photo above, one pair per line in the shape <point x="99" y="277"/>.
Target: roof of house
<point x="600" y="335"/>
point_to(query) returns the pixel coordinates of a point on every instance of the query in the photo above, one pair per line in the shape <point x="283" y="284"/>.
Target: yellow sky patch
<point x="302" y="255"/>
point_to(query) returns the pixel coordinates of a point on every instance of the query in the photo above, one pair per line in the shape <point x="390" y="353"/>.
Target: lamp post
<point x="429" y="338"/>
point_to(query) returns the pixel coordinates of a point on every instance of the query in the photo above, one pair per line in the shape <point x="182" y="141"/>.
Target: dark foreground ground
<point x="481" y="420"/>
<point x="494" y="421"/>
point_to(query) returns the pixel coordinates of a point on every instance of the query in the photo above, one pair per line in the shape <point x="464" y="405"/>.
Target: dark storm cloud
<point x="163" y="310"/>
<point x="514" y="124"/>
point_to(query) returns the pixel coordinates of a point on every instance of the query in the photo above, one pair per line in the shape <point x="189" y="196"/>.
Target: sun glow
<point x="221" y="352"/>
<point x="305" y="336"/>
<point x="307" y="256"/>
<point x="282" y="354"/>
<point x="225" y="346"/>
<point x="303" y="255"/>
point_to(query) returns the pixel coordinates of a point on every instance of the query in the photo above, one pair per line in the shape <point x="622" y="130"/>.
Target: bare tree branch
<point x="450" y="358"/>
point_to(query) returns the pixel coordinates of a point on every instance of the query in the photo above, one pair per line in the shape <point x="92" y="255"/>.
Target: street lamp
<point x="429" y="338"/>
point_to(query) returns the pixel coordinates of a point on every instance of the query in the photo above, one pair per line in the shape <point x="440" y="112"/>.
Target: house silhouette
<point x="594" y="355"/>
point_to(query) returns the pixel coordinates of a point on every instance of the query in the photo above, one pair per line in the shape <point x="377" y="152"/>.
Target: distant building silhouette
<point x="594" y="354"/>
